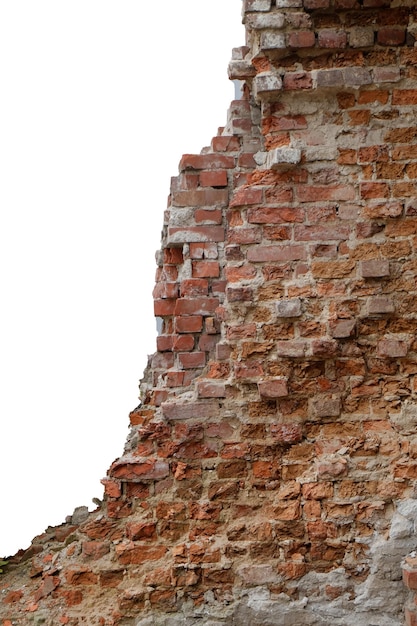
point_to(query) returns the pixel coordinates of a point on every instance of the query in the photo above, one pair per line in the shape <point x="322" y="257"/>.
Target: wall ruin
<point x="269" y="476"/>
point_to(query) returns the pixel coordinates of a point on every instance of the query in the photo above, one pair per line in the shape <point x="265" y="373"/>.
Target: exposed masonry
<point x="270" y="473"/>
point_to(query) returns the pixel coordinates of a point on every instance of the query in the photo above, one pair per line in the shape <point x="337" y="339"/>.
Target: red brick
<point x="391" y="36"/>
<point x="284" y="122"/>
<point x="81" y="576"/>
<point x="213" y="178"/>
<point x="374" y="190"/>
<point x="287" y="434"/>
<point x="392" y="348"/>
<point x="275" y="215"/>
<point x="151" y="469"/>
<point x="246" y="196"/>
<point x="244" y="236"/>
<point x="375" y="268"/>
<point x="297" y="80"/>
<point x="225" y="143"/>
<point x="164" y="343"/>
<point x="332" y="38"/>
<point x="410" y="617"/>
<point x="182" y="343"/>
<point x="173" y="256"/>
<point x="289" y="252"/>
<point x="189" y="324"/>
<point x="165" y="290"/>
<point x="206" y="162"/>
<point x="190" y="360"/>
<point x="196" y="306"/>
<point x="301" y="39"/>
<point x="194" y="287"/>
<point x="208" y="216"/>
<point x="314" y="193"/>
<point x="274" y="388"/>
<point x="163" y="308"/>
<point x="135" y="555"/>
<point x="205" y="269"/>
<point x="174" y="379"/>
<point x="211" y="389"/>
<point x="321" y="233"/>
<point x="95" y="549"/>
<point x="191" y="410"/>
<point x="404" y="97"/>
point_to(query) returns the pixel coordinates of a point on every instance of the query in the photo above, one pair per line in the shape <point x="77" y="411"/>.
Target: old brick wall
<point x="270" y="472"/>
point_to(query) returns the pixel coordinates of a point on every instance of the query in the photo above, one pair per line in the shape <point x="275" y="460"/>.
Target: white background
<point x="99" y="100"/>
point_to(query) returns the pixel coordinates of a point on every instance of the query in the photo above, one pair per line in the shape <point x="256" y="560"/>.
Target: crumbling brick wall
<point x="270" y="472"/>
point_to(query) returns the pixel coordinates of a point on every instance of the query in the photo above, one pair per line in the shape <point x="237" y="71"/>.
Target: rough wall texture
<point x="270" y="473"/>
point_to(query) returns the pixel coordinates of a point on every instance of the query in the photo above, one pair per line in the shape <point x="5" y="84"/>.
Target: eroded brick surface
<point x="269" y="475"/>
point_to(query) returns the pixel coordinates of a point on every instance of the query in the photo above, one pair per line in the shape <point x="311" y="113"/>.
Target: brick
<point x="375" y="268"/>
<point x="328" y="38"/>
<point x="314" y="193"/>
<point x="275" y="215"/>
<point x="361" y="37"/>
<point x="247" y="196"/>
<point x="164" y="307"/>
<point x="386" y="74"/>
<point x="194" y="287"/>
<point x="330" y="78"/>
<point x="301" y="39"/>
<point x="195" y="234"/>
<point x="286" y="434"/>
<point x="256" y="5"/>
<point x="410" y="578"/>
<point x="200" y="197"/>
<point x="190" y="410"/>
<point x="213" y="178"/>
<point x="357" y="76"/>
<point x="325" y="406"/>
<point x="380" y="304"/>
<point x="268" y="83"/>
<point x="289" y="308"/>
<point x="211" y="389"/>
<point x="196" y="306"/>
<point x="291" y="348"/>
<point x="260" y="254"/>
<point x="271" y="40"/>
<point x="392" y="348"/>
<point x="191" y="360"/>
<point x="391" y="36"/>
<point x="208" y="216"/>
<point x="211" y="161"/>
<point x="244" y="235"/>
<point x="321" y="233"/>
<point x="403" y="97"/>
<point x="149" y="469"/>
<point x="332" y="269"/>
<point x="239" y="294"/>
<point x="189" y="324"/>
<point x="297" y="80"/>
<point x="341" y="329"/>
<point x="273" y="388"/>
<point x="135" y="555"/>
<point x="182" y="343"/>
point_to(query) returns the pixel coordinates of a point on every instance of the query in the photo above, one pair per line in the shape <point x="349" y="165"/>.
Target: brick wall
<point x="270" y="472"/>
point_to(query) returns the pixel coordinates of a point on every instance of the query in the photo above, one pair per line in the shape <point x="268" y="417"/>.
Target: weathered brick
<point x="375" y="268"/>
<point x="211" y="161"/>
<point x="260" y="253"/>
<point x="392" y="348"/>
<point x="273" y="388"/>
